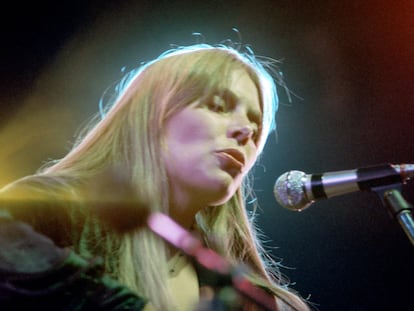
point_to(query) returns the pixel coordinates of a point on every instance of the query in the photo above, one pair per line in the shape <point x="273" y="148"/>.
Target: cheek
<point x="252" y="154"/>
<point x="175" y="131"/>
<point x="183" y="135"/>
<point x="188" y="128"/>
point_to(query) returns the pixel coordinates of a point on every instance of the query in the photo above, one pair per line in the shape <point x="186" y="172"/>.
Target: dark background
<point x="349" y="62"/>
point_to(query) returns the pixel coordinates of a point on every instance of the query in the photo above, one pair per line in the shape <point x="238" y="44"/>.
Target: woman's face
<point x="209" y="147"/>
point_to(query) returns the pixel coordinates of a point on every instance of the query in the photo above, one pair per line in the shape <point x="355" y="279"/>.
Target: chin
<point x="224" y="197"/>
<point x="222" y="189"/>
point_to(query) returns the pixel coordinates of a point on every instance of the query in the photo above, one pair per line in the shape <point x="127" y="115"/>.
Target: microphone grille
<point x="289" y="191"/>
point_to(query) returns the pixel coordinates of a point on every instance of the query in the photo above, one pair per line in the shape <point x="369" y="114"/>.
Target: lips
<point x="233" y="157"/>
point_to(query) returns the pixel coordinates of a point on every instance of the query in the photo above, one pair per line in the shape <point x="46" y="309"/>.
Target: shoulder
<point x="37" y="187"/>
<point x="47" y="203"/>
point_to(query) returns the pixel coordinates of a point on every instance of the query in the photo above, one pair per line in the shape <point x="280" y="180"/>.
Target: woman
<point x="181" y="136"/>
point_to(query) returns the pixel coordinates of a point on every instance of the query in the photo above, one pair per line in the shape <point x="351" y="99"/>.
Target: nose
<point x="242" y="133"/>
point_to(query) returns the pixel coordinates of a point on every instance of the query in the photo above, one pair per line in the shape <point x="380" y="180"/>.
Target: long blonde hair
<point x="129" y="136"/>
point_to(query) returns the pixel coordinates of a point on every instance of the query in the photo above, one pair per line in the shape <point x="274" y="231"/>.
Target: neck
<point x="183" y="215"/>
<point x="183" y="209"/>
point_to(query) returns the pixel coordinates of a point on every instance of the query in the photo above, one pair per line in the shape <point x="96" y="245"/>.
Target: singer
<point x="179" y="138"/>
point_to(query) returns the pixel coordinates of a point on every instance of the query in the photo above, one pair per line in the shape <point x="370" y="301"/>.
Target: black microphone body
<point x="296" y="190"/>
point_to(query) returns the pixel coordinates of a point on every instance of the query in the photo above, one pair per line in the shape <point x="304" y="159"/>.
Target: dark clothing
<point x="39" y="270"/>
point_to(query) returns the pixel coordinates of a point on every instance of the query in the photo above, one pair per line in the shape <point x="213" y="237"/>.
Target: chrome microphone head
<point x="290" y="191"/>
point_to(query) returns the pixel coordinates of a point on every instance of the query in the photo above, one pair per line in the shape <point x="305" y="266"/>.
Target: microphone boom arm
<point x="401" y="210"/>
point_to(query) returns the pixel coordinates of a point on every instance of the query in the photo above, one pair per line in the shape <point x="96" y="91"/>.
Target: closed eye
<point x="217" y="104"/>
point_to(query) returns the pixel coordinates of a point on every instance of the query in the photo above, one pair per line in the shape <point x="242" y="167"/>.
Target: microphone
<point x="296" y="190"/>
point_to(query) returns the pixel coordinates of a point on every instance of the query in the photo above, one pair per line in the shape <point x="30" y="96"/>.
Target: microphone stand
<point x="183" y="240"/>
<point x="401" y="210"/>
